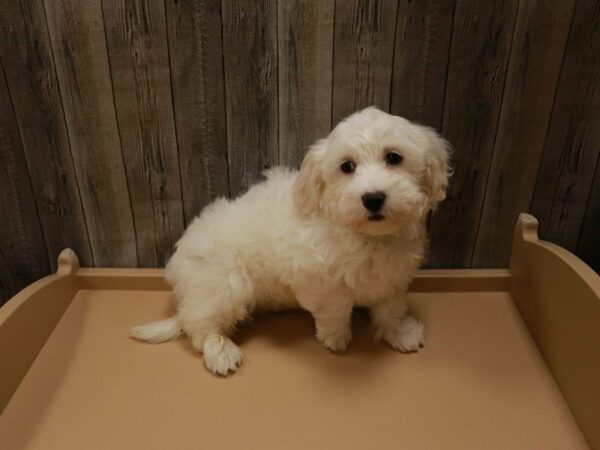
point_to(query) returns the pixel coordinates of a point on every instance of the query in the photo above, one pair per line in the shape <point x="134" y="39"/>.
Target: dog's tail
<point x="155" y="332"/>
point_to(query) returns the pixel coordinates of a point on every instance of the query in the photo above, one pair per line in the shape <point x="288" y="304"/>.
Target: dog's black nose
<point x="373" y="201"/>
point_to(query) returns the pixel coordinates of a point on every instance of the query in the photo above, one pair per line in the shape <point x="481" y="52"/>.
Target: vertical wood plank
<point x="588" y="244"/>
<point x="196" y="57"/>
<point x="476" y="72"/>
<point x="136" y="36"/>
<point x="22" y="247"/>
<point x="77" y="37"/>
<point x="305" y="46"/>
<point x="423" y="34"/>
<point x="538" y="46"/>
<point x="250" y="58"/>
<point x="572" y="145"/>
<point x="31" y="76"/>
<point x="363" y="55"/>
<point x="8" y="287"/>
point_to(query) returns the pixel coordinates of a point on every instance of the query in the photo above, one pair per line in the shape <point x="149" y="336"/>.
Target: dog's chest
<point x="377" y="272"/>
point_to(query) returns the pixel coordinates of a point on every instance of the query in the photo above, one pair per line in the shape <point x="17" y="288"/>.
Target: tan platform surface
<point x="479" y="383"/>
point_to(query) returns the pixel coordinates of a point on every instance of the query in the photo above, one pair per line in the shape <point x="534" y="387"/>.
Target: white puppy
<point x="347" y="230"/>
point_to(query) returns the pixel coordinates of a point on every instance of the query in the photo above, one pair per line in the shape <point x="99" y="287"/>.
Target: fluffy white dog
<point x="347" y="230"/>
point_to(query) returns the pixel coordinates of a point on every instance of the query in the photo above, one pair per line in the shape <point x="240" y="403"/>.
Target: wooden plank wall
<point x="121" y="119"/>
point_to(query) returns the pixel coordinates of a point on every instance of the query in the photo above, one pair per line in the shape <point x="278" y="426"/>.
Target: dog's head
<point x="374" y="172"/>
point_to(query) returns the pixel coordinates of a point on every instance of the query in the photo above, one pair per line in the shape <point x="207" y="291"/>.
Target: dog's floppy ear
<point x="437" y="167"/>
<point x="309" y="184"/>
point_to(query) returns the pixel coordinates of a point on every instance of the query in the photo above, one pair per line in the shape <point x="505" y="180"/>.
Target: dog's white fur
<point x="303" y="239"/>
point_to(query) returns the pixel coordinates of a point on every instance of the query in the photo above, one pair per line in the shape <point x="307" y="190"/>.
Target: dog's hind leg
<point x="220" y="354"/>
<point x="210" y="305"/>
<point x="208" y="335"/>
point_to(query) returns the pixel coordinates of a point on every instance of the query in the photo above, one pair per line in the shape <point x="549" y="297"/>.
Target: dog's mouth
<point x="376" y="218"/>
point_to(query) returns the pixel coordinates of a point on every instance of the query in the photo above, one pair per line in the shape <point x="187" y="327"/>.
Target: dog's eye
<point x="347" y="167"/>
<point x="393" y="158"/>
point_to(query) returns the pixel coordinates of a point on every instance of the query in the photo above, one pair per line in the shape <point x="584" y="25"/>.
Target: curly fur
<point x="304" y="239"/>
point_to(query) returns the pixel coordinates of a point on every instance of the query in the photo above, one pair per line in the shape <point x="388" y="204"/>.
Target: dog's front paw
<point x="335" y="340"/>
<point x="407" y="336"/>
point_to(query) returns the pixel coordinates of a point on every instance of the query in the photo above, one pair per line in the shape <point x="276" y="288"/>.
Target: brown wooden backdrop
<point x="121" y="119"/>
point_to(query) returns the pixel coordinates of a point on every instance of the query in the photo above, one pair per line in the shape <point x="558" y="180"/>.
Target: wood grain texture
<point x="31" y="76"/>
<point x="250" y="64"/>
<point x="132" y="115"/>
<point x="588" y="244"/>
<point x="8" y="286"/>
<point x="588" y="16"/>
<point x="572" y="145"/>
<point x="476" y="73"/>
<point x="196" y="57"/>
<point x="305" y="46"/>
<point x="537" y="52"/>
<point x="423" y="33"/>
<point x="363" y="55"/>
<point x="139" y="61"/>
<point x="77" y="36"/>
<point x="22" y="248"/>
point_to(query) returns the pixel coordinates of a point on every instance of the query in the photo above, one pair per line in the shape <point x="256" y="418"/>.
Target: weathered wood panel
<point x="22" y="247"/>
<point x="31" y="76"/>
<point x="363" y="55"/>
<point x="127" y="117"/>
<point x="588" y="245"/>
<point x="250" y="64"/>
<point x="196" y="56"/>
<point x="423" y="33"/>
<point x="8" y="284"/>
<point x="537" y="51"/>
<point x="585" y="27"/>
<point x="139" y="62"/>
<point x="572" y="145"/>
<point x="77" y="37"/>
<point x="305" y="45"/>
<point x="476" y="72"/>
